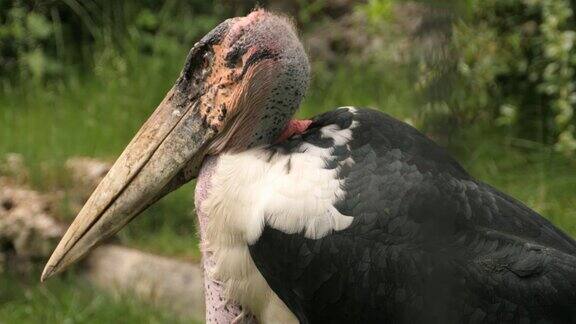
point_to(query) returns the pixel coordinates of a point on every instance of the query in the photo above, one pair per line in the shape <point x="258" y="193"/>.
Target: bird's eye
<point x="207" y="58"/>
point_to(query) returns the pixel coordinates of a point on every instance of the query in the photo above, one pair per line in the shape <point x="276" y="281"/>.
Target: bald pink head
<point x="255" y="73"/>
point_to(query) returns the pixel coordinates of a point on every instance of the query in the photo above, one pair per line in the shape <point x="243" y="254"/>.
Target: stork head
<point x="240" y="85"/>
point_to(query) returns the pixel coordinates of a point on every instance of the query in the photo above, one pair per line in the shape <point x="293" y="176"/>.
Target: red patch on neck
<point x="294" y="127"/>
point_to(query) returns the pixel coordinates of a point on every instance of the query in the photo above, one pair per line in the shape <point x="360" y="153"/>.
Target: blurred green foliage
<point x="24" y="37"/>
<point x="518" y="59"/>
<point x="511" y="63"/>
<point x="49" y="40"/>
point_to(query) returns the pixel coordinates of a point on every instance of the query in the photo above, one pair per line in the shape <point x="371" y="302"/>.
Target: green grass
<point x="70" y="299"/>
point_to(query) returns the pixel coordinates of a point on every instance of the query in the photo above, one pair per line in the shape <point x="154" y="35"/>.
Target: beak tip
<point x="48" y="272"/>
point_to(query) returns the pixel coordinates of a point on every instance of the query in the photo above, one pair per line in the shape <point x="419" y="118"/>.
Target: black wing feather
<point x="428" y="244"/>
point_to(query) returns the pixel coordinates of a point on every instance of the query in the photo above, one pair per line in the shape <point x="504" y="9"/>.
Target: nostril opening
<point x="7" y="204"/>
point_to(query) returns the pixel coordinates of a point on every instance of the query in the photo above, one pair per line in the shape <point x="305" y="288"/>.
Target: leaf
<point x="38" y="27"/>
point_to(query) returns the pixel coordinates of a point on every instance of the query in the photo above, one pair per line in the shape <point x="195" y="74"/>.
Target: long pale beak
<point x="165" y="153"/>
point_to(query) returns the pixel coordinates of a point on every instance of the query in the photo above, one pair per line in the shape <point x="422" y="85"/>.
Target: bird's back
<point x="426" y="241"/>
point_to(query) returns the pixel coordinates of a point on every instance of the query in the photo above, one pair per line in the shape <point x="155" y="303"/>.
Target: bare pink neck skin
<point x="219" y="310"/>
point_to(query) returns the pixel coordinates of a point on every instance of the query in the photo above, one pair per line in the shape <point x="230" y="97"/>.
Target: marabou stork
<point x="350" y="217"/>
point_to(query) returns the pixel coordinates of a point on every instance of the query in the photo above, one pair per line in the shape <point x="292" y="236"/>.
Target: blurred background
<point x="493" y="81"/>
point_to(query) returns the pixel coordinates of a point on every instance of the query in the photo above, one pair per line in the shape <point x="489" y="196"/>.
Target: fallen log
<point x="29" y="232"/>
<point x="169" y="283"/>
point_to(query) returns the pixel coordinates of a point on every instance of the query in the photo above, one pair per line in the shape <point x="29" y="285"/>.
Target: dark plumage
<point x="428" y="244"/>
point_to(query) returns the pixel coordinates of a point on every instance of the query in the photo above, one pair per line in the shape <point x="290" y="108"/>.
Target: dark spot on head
<point x="7" y="204"/>
<point x="233" y="56"/>
<point x="264" y="54"/>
